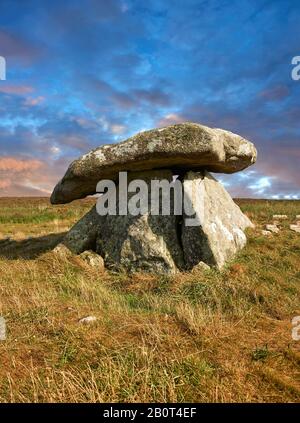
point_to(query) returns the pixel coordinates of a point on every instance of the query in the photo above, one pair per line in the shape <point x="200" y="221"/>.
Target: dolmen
<point x="192" y="223"/>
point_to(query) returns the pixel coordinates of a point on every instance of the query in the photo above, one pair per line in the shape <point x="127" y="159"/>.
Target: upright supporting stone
<point x="82" y="236"/>
<point x="145" y="242"/>
<point x="221" y="231"/>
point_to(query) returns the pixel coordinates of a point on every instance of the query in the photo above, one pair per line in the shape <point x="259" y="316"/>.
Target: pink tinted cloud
<point x="16" y="89"/>
<point x="16" y="48"/>
<point x="14" y="165"/>
<point x="29" y="177"/>
<point x="276" y="93"/>
<point x="4" y="183"/>
<point x="31" y="102"/>
<point x="171" y="119"/>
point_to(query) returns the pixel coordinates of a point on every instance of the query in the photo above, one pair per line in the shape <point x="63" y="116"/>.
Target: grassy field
<point x="202" y="337"/>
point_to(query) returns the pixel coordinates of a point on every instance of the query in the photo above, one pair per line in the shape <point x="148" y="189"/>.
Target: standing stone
<point x="141" y="243"/>
<point x="166" y="244"/>
<point x="82" y="236"/>
<point x="221" y="231"/>
<point x="147" y="242"/>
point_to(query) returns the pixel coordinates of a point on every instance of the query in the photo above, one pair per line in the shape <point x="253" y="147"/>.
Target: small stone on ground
<point x="295" y="228"/>
<point x="62" y="250"/>
<point x="87" y="320"/>
<point x="272" y="228"/>
<point x="201" y="266"/>
<point x="92" y="259"/>
<point x="280" y="216"/>
<point x="266" y="233"/>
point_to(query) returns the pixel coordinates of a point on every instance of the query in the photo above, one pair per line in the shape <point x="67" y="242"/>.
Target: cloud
<point x="129" y="99"/>
<point x="260" y="185"/>
<point x="153" y="95"/>
<point x="17" y="165"/>
<point x="170" y="119"/>
<point x="118" y="129"/>
<point x="31" y="102"/>
<point x="20" y="176"/>
<point x="17" y="48"/>
<point x="16" y="172"/>
<point x="5" y="183"/>
<point x="276" y="93"/>
<point x="16" y="89"/>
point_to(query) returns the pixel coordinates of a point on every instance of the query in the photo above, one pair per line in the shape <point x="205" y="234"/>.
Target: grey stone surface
<point x="295" y="228"/>
<point x="141" y="243"/>
<point x="273" y="228"/>
<point x="92" y="259"/>
<point x="266" y="233"/>
<point x="62" y="251"/>
<point x="201" y="266"/>
<point x="165" y="244"/>
<point x="131" y="243"/>
<point x="280" y="216"/>
<point x="87" y="320"/>
<point x="221" y="231"/>
<point x="181" y="147"/>
<point x="82" y="236"/>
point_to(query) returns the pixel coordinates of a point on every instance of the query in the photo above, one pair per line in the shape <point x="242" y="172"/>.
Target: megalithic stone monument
<point x="162" y="243"/>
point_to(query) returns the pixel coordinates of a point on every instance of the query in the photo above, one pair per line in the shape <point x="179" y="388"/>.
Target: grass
<point x="207" y="336"/>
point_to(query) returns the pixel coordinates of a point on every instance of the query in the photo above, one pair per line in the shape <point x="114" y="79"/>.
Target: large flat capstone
<point x="182" y="147"/>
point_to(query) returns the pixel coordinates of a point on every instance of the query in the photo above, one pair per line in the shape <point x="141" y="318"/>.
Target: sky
<point x="84" y="73"/>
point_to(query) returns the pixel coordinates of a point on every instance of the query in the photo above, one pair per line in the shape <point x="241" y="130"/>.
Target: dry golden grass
<point x="208" y="336"/>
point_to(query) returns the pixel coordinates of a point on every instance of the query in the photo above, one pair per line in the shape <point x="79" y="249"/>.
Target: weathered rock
<point x="133" y="243"/>
<point x="147" y="242"/>
<point x="92" y="259"/>
<point x="62" y="251"/>
<point x="82" y="236"/>
<point x="273" y="228"/>
<point x="179" y="147"/>
<point x="295" y="228"/>
<point x="201" y="266"/>
<point x="280" y="216"/>
<point x="266" y="233"/>
<point x="87" y="320"/>
<point x="165" y="243"/>
<point x="221" y="231"/>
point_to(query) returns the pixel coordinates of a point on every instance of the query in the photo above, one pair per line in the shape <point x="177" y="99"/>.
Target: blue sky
<point x="85" y="73"/>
